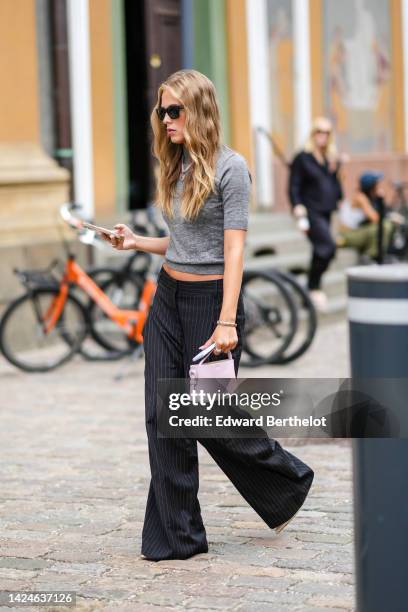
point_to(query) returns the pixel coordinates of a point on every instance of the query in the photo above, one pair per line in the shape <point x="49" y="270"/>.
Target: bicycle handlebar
<point x="89" y="236"/>
<point x="65" y="212"/>
<point x="85" y="235"/>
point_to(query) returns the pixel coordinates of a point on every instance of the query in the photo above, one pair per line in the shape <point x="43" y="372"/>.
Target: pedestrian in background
<point x="203" y="193"/>
<point x="359" y="218"/>
<point x="314" y="193"/>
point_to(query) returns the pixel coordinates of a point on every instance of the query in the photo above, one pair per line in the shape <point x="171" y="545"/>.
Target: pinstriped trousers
<point x="272" y="480"/>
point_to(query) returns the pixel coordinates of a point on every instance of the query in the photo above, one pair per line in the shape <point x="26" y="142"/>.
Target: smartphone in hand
<point x="204" y="352"/>
<point x="100" y="230"/>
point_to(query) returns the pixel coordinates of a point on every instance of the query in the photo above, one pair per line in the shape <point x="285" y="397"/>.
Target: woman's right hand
<point x="124" y="240"/>
<point x="301" y="216"/>
<point x="303" y="224"/>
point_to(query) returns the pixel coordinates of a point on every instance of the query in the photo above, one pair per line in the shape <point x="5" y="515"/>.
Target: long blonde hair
<point x="325" y="124"/>
<point x="202" y="135"/>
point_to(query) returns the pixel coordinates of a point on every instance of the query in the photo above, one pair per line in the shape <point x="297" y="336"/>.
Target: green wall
<point x="210" y="51"/>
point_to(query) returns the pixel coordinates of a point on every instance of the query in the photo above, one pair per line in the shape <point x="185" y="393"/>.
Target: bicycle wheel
<point x="124" y="292"/>
<point x="307" y="319"/>
<point x="270" y="318"/>
<point x="23" y="341"/>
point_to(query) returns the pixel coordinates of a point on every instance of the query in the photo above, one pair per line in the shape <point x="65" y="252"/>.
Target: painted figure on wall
<point x="357" y="74"/>
<point x="337" y="82"/>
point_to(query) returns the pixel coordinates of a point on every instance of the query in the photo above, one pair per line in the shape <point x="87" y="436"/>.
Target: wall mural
<point x="357" y="73"/>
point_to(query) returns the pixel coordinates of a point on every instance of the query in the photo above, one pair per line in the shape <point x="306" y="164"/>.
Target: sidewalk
<point x="74" y="485"/>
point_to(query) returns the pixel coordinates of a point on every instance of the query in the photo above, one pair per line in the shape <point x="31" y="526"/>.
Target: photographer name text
<point x="260" y="421"/>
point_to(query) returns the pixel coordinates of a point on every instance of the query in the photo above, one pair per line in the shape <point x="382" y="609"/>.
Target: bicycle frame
<point x="132" y="321"/>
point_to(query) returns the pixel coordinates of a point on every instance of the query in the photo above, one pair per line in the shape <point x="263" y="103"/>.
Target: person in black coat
<point x="314" y="193"/>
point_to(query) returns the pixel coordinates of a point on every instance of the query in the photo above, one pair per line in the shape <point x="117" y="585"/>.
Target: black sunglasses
<point x="173" y="111"/>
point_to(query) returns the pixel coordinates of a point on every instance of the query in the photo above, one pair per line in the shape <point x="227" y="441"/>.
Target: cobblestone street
<point x="74" y="484"/>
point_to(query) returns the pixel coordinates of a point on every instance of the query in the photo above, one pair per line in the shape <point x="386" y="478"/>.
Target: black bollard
<point x="378" y="325"/>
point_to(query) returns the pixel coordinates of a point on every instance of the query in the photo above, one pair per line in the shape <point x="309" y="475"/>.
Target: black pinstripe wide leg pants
<point x="272" y="480"/>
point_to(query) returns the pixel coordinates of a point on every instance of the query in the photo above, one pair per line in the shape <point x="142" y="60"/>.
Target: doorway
<point x="153" y="52"/>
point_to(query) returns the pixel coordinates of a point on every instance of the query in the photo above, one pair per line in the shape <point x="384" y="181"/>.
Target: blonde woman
<point x="203" y="193"/>
<point x="314" y="192"/>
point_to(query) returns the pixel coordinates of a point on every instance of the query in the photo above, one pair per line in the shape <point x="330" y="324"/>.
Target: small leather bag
<point x="215" y="370"/>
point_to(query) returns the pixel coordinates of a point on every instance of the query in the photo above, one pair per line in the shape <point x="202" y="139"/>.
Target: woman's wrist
<point x="300" y="210"/>
<point x="227" y="316"/>
<point x="227" y="322"/>
<point x="136" y="245"/>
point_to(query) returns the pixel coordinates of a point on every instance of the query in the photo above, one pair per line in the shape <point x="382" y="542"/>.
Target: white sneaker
<point x="319" y="299"/>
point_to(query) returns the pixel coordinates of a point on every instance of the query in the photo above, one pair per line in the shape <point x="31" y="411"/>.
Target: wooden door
<point x="164" y="50"/>
<point x="154" y="51"/>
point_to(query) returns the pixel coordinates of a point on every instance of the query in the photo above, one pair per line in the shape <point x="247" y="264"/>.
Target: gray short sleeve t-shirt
<point x="198" y="246"/>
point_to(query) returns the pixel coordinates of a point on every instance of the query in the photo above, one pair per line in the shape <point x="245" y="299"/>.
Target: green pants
<point x="365" y="238"/>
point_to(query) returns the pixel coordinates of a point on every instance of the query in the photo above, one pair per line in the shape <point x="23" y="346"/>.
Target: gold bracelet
<point x="227" y="323"/>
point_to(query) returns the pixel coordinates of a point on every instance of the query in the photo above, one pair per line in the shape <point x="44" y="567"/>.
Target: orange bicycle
<point x="47" y="325"/>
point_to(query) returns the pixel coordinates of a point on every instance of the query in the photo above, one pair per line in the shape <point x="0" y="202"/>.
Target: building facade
<point x="79" y="81"/>
<point x="345" y="60"/>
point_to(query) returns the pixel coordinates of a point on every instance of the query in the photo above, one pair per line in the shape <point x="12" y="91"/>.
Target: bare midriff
<point x="178" y="275"/>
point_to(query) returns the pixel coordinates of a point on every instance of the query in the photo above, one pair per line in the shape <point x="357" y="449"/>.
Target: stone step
<point x="293" y="252"/>
<point x="272" y="220"/>
<point x="284" y="241"/>
<point x="334" y="282"/>
<point x="298" y="260"/>
<point x="334" y="285"/>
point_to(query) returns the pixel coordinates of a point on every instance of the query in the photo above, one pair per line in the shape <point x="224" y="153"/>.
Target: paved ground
<point x="74" y="483"/>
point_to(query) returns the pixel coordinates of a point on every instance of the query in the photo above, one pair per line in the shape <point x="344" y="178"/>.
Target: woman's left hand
<point x="225" y="337"/>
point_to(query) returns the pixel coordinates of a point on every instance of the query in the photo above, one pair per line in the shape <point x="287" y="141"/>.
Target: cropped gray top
<point x="198" y="246"/>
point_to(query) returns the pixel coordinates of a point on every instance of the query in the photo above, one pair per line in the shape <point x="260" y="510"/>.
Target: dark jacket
<point x="314" y="184"/>
<point x="377" y="202"/>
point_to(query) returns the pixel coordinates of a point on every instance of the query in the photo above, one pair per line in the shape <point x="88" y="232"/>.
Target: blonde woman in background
<point x="314" y="192"/>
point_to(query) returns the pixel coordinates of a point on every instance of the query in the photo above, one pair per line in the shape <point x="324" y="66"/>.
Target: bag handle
<point x="205" y="357"/>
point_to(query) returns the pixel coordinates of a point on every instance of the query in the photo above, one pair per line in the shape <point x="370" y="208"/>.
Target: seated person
<point x="359" y="218"/>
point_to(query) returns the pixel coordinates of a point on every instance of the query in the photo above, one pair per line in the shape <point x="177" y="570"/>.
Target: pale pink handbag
<point x="215" y="370"/>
